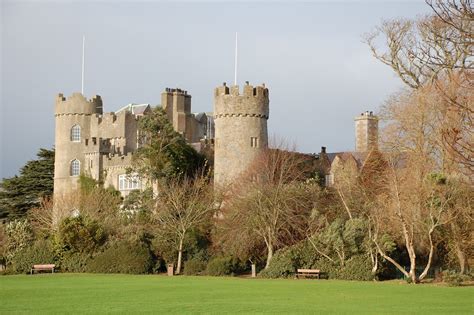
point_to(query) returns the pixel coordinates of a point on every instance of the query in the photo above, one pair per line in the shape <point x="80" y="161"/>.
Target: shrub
<point x="454" y="279"/>
<point x="80" y="234"/>
<point x="285" y="261"/>
<point x="224" y="266"/>
<point x="122" y="257"/>
<point x="18" y="236"/>
<point x="74" y="262"/>
<point x="41" y="252"/>
<point x="356" y="268"/>
<point x="194" y="266"/>
<point x="282" y="265"/>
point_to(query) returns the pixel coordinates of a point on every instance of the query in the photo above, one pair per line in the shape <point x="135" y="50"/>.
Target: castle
<point x="100" y="145"/>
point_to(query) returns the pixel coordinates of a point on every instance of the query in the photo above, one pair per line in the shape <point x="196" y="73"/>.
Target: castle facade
<point x="100" y="145"/>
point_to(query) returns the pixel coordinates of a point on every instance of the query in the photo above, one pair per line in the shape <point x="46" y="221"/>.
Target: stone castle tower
<point x="240" y="129"/>
<point x="73" y="123"/>
<point x="366" y="132"/>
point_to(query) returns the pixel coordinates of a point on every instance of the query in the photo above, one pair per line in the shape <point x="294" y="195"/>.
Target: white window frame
<point x="129" y="182"/>
<point x="75" y="167"/>
<point x="76" y="133"/>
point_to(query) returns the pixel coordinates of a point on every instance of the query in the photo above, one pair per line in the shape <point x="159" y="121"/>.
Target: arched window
<point x="76" y="133"/>
<point x="75" y="168"/>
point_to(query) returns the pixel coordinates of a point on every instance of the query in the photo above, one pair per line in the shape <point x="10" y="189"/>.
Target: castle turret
<point x="73" y="127"/>
<point x="240" y="129"/>
<point x="366" y="132"/>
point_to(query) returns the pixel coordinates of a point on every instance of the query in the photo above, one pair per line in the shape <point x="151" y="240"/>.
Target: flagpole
<point x="83" y="62"/>
<point x="236" y="51"/>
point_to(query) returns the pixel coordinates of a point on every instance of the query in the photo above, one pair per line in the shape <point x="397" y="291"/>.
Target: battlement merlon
<point x="177" y="91"/>
<point x="248" y="90"/>
<point x="367" y="115"/>
<point x="118" y="160"/>
<point x="253" y="101"/>
<point x="78" y="104"/>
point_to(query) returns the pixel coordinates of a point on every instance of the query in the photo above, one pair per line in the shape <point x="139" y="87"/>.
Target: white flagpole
<point x="83" y="62"/>
<point x="235" y="70"/>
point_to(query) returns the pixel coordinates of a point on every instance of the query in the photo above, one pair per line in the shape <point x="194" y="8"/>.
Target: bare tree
<point x="436" y="53"/>
<point x="182" y="205"/>
<point x="272" y="201"/>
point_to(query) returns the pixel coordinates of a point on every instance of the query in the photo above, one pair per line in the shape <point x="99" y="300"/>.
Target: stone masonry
<point x="366" y="132"/>
<point x="240" y="129"/>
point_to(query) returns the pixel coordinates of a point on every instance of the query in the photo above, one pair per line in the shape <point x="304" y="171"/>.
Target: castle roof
<point x="135" y="109"/>
<point x="359" y="157"/>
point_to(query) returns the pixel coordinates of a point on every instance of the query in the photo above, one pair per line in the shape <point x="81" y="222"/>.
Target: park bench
<point x="43" y="268"/>
<point x="308" y="273"/>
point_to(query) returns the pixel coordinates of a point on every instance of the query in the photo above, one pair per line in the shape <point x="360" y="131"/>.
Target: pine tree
<point x="20" y="193"/>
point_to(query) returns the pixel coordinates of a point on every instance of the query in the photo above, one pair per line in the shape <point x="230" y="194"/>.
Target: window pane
<point x="75" y="168"/>
<point x="76" y="133"/>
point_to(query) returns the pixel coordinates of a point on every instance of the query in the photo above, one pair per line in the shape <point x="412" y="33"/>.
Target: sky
<point x="310" y="55"/>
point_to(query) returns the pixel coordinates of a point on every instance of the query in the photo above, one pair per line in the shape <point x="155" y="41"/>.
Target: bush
<point x="194" y="266"/>
<point x="41" y="252"/>
<point x="122" y="257"/>
<point x="74" y="262"/>
<point x="18" y="236"/>
<point x="454" y="279"/>
<point x="224" y="266"/>
<point x="356" y="268"/>
<point x="285" y="261"/>
<point x="282" y="265"/>
<point x="80" y="234"/>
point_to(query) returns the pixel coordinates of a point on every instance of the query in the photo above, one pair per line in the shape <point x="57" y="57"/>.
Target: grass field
<point x="98" y="294"/>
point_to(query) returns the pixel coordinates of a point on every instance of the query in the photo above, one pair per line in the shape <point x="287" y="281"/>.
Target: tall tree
<point x="20" y="193"/>
<point x="436" y="52"/>
<point x="182" y="205"/>
<point x="270" y="204"/>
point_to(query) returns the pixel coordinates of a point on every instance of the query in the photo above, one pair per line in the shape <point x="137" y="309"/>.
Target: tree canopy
<point x="165" y="154"/>
<point x="20" y="193"/>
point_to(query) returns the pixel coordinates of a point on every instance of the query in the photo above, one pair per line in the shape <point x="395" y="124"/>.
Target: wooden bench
<point x="308" y="273"/>
<point x="43" y="268"/>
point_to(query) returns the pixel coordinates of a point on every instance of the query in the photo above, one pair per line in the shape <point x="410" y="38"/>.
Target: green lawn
<point x="98" y="294"/>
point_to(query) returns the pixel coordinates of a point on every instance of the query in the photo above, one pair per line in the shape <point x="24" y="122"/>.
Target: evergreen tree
<point x="20" y="193"/>
<point x="165" y="155"/>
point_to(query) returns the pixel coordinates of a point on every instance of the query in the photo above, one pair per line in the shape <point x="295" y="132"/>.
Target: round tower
<point x="240" y="129"/>
<point x="72" y="135"/>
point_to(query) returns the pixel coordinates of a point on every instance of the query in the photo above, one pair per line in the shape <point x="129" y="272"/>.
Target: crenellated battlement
<point x="366" y="115"/>
<point x="177" y="91"/>
<point x="259" y="91"/>
<point x="78" y="104"/>
<point x="250" y="102"/>
<point x="118" y="160"/>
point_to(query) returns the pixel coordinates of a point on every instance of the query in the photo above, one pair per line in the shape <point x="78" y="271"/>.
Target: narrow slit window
<point x="254" y="142"/>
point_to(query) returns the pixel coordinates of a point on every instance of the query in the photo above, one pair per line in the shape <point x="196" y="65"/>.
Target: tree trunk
<point x="461" y="258"/>
<point x="412" y="273"/>
<point x="180" y="256"/>
<point x="430" y="256"/>
<point x="269" y="255"/>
